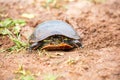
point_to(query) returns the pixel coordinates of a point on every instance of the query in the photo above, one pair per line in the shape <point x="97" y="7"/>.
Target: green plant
<point x="23" y="74"/>
<point x="11" y="28"/>
<point x="10" y="22"/>
<point x="18" y="44"/>
<point x="6" y="23"/>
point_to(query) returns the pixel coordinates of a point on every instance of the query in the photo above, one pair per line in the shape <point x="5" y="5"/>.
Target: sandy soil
<point x="98" y="25"/>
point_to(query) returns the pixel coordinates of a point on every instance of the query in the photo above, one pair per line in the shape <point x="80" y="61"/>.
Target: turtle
<point x="54" y="35"/>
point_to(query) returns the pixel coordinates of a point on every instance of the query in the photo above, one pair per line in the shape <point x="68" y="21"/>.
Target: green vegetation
<point x="11" y="28"/>
<point x="23" y="74"/>
<point x="10" y="22"/>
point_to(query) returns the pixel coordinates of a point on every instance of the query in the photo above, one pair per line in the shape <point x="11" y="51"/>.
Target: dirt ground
<point x="98" y="25"/>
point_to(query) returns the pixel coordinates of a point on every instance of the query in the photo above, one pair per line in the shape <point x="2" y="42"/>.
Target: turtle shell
<point x="53" y="27"/>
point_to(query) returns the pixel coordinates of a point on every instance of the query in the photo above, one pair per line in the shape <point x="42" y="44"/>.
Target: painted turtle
<point x="54" y="35"/>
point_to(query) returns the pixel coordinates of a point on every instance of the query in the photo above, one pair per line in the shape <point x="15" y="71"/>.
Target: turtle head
<point x="33" y="43"/>
<point x="32" y="39"/>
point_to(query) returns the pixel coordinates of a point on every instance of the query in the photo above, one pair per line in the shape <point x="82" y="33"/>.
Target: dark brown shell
<point x="53" y="27"/>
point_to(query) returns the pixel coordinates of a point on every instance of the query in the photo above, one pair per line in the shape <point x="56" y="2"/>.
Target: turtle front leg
<point x="77" y="43"/>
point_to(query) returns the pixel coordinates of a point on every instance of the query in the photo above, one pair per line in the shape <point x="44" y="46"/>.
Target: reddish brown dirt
<point x="99" y="28"/>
